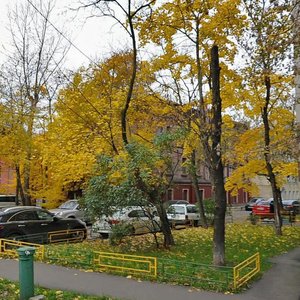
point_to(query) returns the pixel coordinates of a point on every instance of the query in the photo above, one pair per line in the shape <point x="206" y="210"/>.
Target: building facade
<point x="182" y="187"/>
<point x="7" y="179"/>
<point x="291" y="189"/>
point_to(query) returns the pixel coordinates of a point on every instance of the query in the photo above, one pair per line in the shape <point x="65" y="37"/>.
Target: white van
<point x="182" y="214"/>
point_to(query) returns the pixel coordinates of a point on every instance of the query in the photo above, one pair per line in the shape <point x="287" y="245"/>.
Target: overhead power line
<point x="60" y="32"/>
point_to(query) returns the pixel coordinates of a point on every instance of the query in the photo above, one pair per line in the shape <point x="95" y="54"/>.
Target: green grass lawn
<point x="10" y="291"/>
<point x="186" y="263"/>
<point x="195" y="244"/>
<point x="193" y="248"/>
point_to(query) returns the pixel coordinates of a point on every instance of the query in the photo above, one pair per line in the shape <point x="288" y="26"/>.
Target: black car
<point x="35" y="224"/>
<point x="291" y="205"/>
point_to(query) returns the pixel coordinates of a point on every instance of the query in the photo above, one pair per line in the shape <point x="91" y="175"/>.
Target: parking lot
<point x="238" y="214"/>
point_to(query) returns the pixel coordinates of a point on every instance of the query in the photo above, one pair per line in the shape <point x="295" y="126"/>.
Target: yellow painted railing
<point x="10" y="247"/>
<point x="126" y="263"/>
<point x="244" y="271"/>
<point x="69" y="236"/>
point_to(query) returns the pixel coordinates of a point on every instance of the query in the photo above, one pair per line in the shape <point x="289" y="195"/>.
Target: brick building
<point x="182" y="188"/>
<point x="7" y="179"/>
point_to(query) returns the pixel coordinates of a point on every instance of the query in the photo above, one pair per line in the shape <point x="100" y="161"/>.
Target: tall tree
<point x="130" y="12"/>
<point x="183" y="33"/>
<point x="29" y="72"/>
<point x="125" y="15"/>
<point x="267" y="44"/>
<point x="216" y="167"/>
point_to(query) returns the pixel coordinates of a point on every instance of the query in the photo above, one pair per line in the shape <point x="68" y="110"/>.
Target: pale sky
<point x="96" y="37"/>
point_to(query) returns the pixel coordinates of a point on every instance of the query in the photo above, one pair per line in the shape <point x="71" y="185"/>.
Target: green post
<point x="26" y="272"/>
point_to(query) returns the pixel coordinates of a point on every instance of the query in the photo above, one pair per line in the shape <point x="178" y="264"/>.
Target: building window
<point x="183" y="167"/>
<point x="185" y="194"/>
<point x="170" y="194"/>
<point x="201" y="192"/>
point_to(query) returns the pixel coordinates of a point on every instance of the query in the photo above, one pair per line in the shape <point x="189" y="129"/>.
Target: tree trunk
<point x="132" y="78"/>
<point x="216" y="163"/>
<point x="165" y="226"/>
<point x="19" y="187"/>
<point x="272" y="178"/>
<point x="27" y="164"/>
<point x="195" y="184"/>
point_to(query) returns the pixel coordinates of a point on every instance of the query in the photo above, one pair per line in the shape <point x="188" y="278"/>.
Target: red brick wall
<point x="178" y="193"/>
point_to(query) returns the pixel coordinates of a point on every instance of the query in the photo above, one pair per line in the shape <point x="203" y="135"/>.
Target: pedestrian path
<point x="282" y="282"/>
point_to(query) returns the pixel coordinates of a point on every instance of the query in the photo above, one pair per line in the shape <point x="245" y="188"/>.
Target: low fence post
<point x="26" y="277"/>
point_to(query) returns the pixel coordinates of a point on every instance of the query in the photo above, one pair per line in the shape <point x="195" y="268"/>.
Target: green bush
<point x="209" y="208"/>
<point x="119" y="231"/>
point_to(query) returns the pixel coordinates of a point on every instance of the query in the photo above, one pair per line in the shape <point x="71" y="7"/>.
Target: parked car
<point x="7" y="200"/>
<point x="291" y="205"/>
<point x="179" y="214"/>
<point x="171" y="202"/>
<point x="31" y="223"/>
<point x="267" y="206"/>
<point x="71" y="209"/>
<point x="253" y="201"/>
<point x="263" y="207"/>
<point x="138" y="218"/>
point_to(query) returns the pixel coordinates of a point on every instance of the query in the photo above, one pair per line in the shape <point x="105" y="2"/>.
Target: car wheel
<point x="196" y="223"/>
<point x="104" y="235"/>
<point x="132" y="230"/>
<point x="80" y="235"/>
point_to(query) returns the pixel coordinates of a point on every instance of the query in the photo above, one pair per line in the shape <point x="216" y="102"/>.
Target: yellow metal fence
<point x="66" y="236"/>
<point x="126" y="263"/>
<point x="245" y="270"/>
<point x="10" y="247"/>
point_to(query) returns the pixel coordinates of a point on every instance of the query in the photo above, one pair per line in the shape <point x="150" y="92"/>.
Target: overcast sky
<point x="96" y="37"/>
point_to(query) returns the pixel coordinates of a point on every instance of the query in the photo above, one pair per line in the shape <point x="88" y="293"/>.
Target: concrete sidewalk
<point x="281" y="282"/>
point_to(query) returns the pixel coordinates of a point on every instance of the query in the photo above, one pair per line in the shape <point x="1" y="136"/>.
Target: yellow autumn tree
<point x="267" y="76"/>
<point x="87" y="123"/>
<point x="184" y="34"/>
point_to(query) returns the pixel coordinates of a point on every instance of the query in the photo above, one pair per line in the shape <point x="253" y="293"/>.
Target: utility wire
<point x="57" y="65"/>
<point x="68" y="79"/>
<point x="61" y="33"/>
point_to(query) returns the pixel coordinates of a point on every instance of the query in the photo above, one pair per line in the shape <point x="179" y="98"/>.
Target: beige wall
<point x="264" y="187"/>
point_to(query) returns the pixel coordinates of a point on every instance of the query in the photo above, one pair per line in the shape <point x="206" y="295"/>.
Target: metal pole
<point x="26" y="277"/>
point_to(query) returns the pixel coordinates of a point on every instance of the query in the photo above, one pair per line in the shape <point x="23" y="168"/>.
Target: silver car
<point x="140" y="219"/>
<point x="70" y="209"/>
<point x="182" y="214"/>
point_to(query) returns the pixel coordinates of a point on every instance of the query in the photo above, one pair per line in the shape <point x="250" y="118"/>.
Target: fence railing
<point x="199" y="275"/>
<point x="69" y="236"/>
<point x="126" y="263"/>
<point x="245" y="270"/>
<point x="10" y="247"/>
<point x="182" y="272"/>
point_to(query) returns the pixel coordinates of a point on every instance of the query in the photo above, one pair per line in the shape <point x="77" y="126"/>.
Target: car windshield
<point x="264" y="203"/>
<point x="177" y="210"/>
<point x="69" y="205"/>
